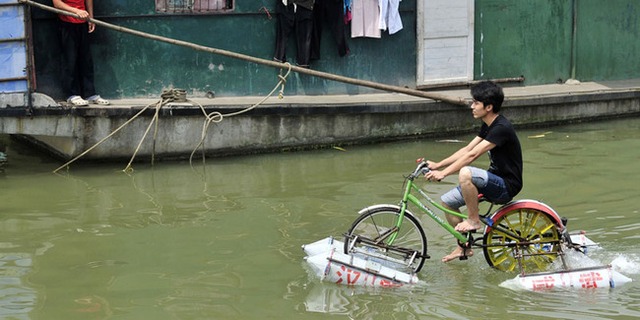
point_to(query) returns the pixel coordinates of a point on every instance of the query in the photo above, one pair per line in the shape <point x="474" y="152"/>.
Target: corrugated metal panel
<point x="13" y="49"/>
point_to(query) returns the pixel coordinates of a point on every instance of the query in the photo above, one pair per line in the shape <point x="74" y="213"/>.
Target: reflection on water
<point x="17" y="297"/>
<point x="223" y="240"/>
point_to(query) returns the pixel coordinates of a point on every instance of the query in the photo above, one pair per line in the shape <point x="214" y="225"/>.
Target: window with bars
<point x="194" y="6"/>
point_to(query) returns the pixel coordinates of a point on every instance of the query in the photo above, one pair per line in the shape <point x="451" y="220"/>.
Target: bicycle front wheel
<point x="524" y="238"/>
<point x="377" y="229"/>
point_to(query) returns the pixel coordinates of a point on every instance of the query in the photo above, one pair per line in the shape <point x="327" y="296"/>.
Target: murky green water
<point x="222" y="241"/>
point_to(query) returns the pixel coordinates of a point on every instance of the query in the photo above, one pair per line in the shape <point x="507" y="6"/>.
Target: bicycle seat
<point x="482" y="198"/>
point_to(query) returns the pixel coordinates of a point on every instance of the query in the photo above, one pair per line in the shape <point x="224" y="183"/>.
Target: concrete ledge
<point x="296" y="123"/>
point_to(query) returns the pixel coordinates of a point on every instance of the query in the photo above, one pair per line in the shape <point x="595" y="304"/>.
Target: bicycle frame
<point x="408" y="197"/>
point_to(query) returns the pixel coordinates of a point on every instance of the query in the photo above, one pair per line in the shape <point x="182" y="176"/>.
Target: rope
<point x="154" y="120"/>
<point x="275" y="64"/>
<point x="175" y="95"/>
<point x="103" y="139"/>
<point x="217" y="117"/>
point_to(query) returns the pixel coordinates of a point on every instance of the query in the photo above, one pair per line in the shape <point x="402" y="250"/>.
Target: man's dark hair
<point x="488" y="93"/>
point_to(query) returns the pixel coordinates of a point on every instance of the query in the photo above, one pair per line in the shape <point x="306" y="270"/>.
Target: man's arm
<point x="466" y="158"/>
<point x="89" y="5"/>
<point x="460" y="158"/>
<point x="456" y="155"/>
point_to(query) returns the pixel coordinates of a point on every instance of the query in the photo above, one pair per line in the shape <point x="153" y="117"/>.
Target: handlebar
<point x="421" y="169"/>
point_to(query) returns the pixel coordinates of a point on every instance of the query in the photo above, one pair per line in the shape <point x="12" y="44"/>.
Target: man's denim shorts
<point x="490" y="185"/>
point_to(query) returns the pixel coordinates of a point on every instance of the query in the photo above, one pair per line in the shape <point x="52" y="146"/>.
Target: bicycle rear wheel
<point x="376" y="230"/>
<point x="525" y="238"/>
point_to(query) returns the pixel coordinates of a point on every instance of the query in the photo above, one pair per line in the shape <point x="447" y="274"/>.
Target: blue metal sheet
<point x="13" y="50"/>
<point x="13" y="86"/>
<point x="13" y="59"/>
<point x="12" y="22"/>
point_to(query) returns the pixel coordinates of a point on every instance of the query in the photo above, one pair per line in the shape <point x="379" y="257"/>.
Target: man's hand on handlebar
<point x="434" y="175"/>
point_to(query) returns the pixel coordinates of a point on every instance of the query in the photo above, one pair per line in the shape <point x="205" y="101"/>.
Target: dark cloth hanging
<point x="331" y="12"/>
<point x="299" y="20"/>
<point x="305" y="3"/>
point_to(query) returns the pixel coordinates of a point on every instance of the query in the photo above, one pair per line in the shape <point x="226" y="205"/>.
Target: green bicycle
<point x="524" y="234"/>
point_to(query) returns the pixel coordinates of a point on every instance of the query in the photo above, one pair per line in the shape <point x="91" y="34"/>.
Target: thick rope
<point x="330" y="76"/>
<point x="103" y="139"/>
<point x="216" y="117"/>
<point x="168" y="96"/>
<point x="154" y="120"/>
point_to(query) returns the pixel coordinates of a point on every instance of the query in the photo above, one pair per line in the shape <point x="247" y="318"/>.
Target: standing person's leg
<point x="69" y="55"/>
<point x="85" y="62"/>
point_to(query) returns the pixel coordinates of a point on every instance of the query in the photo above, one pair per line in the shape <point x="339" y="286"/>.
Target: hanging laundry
<point x="390" y="16"/>
<point x="294" y="16"/>
<point x="365" y="19"/>
<point x="347" y="11"/>
<point x="331" y="12"/>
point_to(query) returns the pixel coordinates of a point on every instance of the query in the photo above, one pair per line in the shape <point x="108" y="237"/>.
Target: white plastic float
<point x="327" y="259"/>
<point x="591" y="277"/>
<point x="585" y="278"/>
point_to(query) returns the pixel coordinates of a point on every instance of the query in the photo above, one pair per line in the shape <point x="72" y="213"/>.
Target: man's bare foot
<point x="457" y="253"/>
<point x="468" y="226"/>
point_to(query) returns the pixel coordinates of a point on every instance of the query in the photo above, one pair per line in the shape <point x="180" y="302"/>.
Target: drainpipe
<point x="574" y="31"/>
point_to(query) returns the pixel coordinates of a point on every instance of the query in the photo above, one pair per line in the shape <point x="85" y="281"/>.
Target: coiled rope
<point x="178" y="95"/>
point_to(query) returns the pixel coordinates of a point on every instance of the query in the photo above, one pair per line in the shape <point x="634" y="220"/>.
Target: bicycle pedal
<point x="462" y="258"/>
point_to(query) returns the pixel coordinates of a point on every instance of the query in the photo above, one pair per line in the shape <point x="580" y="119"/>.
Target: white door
<point x="445" y="41"/>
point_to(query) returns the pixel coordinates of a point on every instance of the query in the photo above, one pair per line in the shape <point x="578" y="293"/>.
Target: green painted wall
<point x="523" y="38"/>
<point x="533" y="39"/>
<point x="608" y="39"/>
<point x="130" y="66"/>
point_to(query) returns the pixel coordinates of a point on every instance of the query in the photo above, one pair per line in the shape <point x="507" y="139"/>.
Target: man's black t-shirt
<point x="506" y="156"/>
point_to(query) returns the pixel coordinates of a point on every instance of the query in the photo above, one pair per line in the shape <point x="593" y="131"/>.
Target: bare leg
<point x="458" y="251"/>
<point x="453" y="220"/>
<point x="470" y="195"/>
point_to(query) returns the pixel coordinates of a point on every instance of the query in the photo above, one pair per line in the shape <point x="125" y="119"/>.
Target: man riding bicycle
<point x="500" y="183"/>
